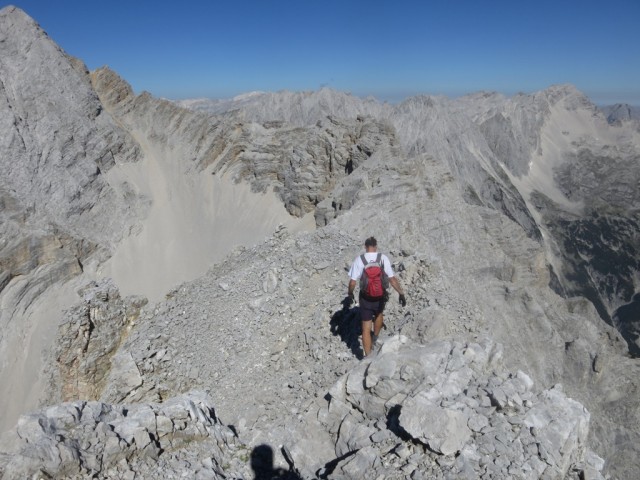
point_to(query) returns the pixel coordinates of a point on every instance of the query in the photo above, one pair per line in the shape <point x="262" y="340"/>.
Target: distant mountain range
<point x="620" y="111"/>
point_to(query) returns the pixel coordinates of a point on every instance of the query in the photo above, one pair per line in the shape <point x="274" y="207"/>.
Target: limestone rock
<point x="440" y="404"/>
<point x="86" y="355"/>
<point x="302" y="164"/>
<point x="78" y="439"/>
<point x="443" y="429"/>
<point x="549" y="174"/>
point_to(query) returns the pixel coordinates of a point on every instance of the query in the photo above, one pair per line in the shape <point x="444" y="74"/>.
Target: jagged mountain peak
<point x="567" y="94"/>
<point x="50" y="137"/>
<point x="427" y="101"/>
<point x="21" y="34"/>
<point x="621" y="112"/>
<point x="18" y="16"/>
<point x="114" y="88"/>
<point x="301" y="108"/>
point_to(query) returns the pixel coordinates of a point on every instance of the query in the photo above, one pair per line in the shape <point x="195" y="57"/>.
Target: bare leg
<point x="366" y="336"/>
<point x="377" y="324"/>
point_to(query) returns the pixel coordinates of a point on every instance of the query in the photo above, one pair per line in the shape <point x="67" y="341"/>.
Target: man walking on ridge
<point x="375" y="273"/>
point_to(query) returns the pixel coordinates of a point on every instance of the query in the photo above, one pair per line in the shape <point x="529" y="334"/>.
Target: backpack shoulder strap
<point x="379" y="258"/>
<point x="364" y="260"/>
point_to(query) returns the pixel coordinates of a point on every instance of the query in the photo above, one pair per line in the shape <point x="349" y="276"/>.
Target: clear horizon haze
<point x="390" y="50"/>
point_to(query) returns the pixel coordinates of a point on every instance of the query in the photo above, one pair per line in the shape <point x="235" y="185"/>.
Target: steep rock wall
<point x="58" y="211"/>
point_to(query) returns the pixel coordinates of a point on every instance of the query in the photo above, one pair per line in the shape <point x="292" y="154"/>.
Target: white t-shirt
<point x="358" y="267"/>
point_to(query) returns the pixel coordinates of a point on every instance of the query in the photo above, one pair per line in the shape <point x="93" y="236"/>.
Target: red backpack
<point x="374" y="282"/>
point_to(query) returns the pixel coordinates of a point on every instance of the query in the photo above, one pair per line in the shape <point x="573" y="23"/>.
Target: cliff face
<point x="481" y="202"/>
<point x="57" y="140"/>
<point x="57" y="144"/>
<point x="58" y="211"/>
<point x="579" y="177"/>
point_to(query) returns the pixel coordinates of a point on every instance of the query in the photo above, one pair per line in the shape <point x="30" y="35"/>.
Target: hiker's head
<point x="371" y="244"/>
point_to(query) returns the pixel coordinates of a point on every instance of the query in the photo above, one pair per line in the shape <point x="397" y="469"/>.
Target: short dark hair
<point x="371" y="242"/>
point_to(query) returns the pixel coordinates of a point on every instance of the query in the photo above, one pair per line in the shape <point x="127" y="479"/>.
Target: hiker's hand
<point x="347" y="302"/>
<point x="402" y="300"/>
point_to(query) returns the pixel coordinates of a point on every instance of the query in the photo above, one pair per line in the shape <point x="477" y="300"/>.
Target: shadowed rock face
<point x="599" y="246"/>
<point x="468" y="198"/>
<point x="601" y="255"/>
<point x="588" y="204"/>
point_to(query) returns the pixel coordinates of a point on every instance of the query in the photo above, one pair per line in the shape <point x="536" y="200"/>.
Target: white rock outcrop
<point x="83" y="439"/>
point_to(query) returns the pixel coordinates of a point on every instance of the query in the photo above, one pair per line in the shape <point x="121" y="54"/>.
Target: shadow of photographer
<point x="263" y="469"/>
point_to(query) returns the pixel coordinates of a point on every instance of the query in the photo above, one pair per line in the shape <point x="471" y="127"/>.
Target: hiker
<point x="375" y="273"/>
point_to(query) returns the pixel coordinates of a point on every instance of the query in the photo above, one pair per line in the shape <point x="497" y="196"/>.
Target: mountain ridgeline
<point x="171" y="278"/>
<point x="549" y="161"/>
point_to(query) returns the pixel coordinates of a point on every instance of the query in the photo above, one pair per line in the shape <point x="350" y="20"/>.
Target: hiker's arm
<point x="396" y="285"/>
<point x="352" y="286"/>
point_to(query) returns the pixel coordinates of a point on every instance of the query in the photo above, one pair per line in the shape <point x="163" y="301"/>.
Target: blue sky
<point x="389" y="49"/>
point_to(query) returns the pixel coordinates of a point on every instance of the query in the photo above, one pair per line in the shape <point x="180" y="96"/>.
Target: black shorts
<point x="370" y="310"/>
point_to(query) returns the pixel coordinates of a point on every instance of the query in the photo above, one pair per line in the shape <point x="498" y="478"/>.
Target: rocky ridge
<point x="68" y="197"/>
<point x="525" y="152"/>
<point x="301" y="164"/>
<point x="270" y="293"/>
